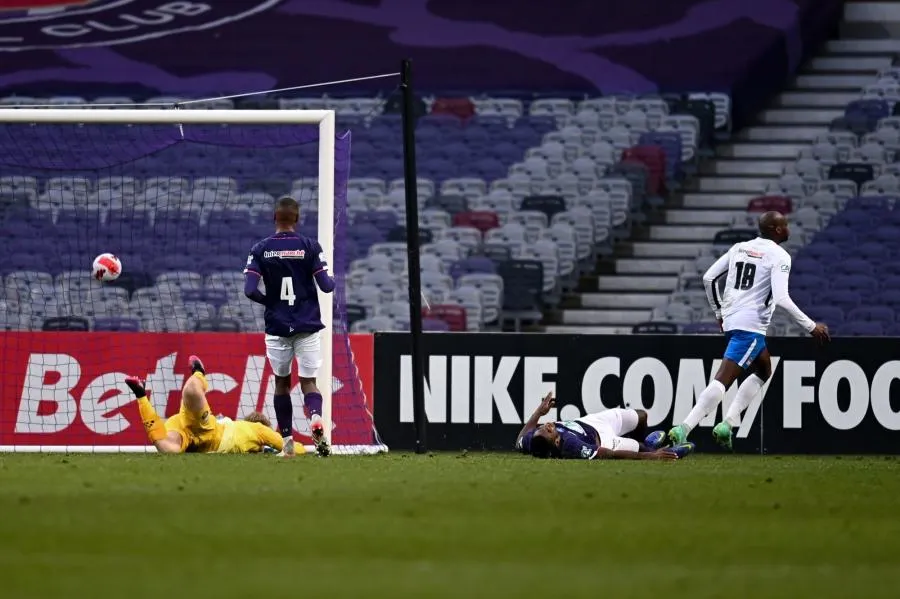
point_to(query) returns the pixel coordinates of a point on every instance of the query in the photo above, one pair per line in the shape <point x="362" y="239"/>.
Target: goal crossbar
<point x="325" y="119"/>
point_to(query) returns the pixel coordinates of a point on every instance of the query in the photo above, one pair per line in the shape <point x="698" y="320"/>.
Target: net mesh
<point x="180" y="206"/>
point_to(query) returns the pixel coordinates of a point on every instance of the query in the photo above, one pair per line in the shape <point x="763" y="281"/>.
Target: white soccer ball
<point x="107" y="267"/>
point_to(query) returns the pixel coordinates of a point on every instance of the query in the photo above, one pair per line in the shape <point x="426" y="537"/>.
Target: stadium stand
<point x="840" y="189"/>
<point x="577" y="212"/>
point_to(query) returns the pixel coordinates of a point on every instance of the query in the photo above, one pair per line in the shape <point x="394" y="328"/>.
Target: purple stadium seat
<point x="837" y="235"/>
<point x="488" y="168"/>
<point x="437" y="168"/>
<point x="540" y="124"/>
<point x="365" y="233"/>
<point x="828" y="314"/>
<point x="886" y="235"/>
<point x="495" y="125"/>
<point x="382" y="220"/>
<point x="883" y="314"/>
<point x="873" y="252"/>
<point x="888" y="297"/>
<point x="856" y="122"/>
<point x="802" y="297"/>
<point x="843" y="299"/>
<point x="864" y="284"/>
<point x="131" y="325"/>
<point x="819" y="252"/>
<point x="702" y="328"/>
<point x="475" y="264"/>
<point x="507" y="151"/>
<point x="892" y="330"/>
<point x="434" y="325"/>
<point x="852" y="266"/>
<point x="476" y="135"/>
<point x="870" y="108"/>
<point x="455" y="150"/>
<point x="889" y="269"/>
<point x="808" y="266"/>
<point x="861" y="329"/>
<point x="855" y="219"/>
<point x="871" y="203"/>
<point x="809" y="282"/>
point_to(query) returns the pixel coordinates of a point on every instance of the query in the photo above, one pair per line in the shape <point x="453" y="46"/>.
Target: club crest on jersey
<point x="50" y="24"/>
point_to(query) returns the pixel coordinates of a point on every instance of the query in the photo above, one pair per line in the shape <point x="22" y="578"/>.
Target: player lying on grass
<point x="195" y="429"/>
<point x="601" y="435"/>
<point x="757" y="281"/>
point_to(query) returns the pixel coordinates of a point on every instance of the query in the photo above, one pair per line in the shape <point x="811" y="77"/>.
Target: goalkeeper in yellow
<point x="194" y="428"/>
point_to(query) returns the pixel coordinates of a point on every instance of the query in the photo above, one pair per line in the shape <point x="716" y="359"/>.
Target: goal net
<point x="180" y="196"/>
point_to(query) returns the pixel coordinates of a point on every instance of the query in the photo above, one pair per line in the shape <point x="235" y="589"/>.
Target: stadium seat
<point x="655" y="328"/>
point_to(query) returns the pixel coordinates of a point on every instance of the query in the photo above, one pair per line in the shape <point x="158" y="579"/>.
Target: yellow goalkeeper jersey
<point x="240" y="436"/>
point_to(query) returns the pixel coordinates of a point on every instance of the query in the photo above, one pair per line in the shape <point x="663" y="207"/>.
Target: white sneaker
<point x="288" y="451"/>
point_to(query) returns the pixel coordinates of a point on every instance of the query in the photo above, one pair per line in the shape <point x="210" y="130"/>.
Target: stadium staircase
<point x="643" y="270"/>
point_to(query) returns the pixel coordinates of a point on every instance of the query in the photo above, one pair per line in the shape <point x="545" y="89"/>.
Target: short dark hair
<point x="287" y="203"/>
<point x="541" y="447"/>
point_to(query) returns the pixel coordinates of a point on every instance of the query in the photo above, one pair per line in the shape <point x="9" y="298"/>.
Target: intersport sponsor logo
<point x="53" y="24"/>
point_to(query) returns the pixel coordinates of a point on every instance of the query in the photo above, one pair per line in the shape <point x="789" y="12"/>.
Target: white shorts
<point x="611" y="425"/>
<point x="305" y="347"/>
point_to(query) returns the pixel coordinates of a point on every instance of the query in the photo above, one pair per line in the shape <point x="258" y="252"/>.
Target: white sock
<point x="706" y="403"/>
<point x="748" y="390"/>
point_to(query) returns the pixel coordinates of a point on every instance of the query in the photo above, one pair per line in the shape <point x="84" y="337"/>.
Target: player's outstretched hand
<point x="666" y="454"/>
<point x="820" y="333"/>
<point x="547" y="404"/>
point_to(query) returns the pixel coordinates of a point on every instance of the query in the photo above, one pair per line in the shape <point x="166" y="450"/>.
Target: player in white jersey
<point x="757" y="281"/>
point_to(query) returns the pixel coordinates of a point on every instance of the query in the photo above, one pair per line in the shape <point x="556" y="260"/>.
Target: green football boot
<point x="722" y="435"/>
<point x="678" y="434"/>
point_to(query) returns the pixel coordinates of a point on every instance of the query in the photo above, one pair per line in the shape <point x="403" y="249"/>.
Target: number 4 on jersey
<point x="287" y="290"/>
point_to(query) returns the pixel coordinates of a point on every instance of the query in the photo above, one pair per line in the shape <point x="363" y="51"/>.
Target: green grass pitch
<point x="449" y="525"/>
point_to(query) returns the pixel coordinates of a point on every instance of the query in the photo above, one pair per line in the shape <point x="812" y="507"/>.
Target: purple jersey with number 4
<point x="288" y="263"/>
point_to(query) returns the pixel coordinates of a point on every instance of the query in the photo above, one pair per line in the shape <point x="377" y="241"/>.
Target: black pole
<point x="412" y="253"/>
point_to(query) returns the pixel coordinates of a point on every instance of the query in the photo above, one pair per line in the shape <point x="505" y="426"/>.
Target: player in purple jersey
<point x="602" y="435"/>
<point x="291" y="266"/>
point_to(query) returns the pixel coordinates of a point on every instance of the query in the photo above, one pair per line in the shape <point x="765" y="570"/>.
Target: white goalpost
<point x="106" y="419"/>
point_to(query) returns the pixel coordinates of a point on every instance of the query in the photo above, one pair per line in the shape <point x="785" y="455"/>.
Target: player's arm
<point x="781" y="296"/>
<point x="320" y="269"/>
<point x="718" y="268"/>
<point x="172" y="443"/>
<point x="611" y="454"/>
<point x="268" y="437"/>
<point x="542" y="410"/>
<point x="252" y="275"/>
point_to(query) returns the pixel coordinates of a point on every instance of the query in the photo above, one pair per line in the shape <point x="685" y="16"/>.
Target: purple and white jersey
<point x="287" y="263"/>
<point x="578" y="440"/>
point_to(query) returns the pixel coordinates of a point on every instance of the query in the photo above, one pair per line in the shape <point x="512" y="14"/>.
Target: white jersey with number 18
<point x="757" y="281"/>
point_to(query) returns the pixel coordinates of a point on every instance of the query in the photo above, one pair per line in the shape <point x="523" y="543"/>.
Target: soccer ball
<point x="107" y="267"/>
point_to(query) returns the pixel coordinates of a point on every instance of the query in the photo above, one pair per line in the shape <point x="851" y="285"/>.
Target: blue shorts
<point x="743" y="347"/>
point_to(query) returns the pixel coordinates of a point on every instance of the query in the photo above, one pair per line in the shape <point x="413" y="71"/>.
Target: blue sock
<point x="284" y="413"/>
<point x="313" y="404"/>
